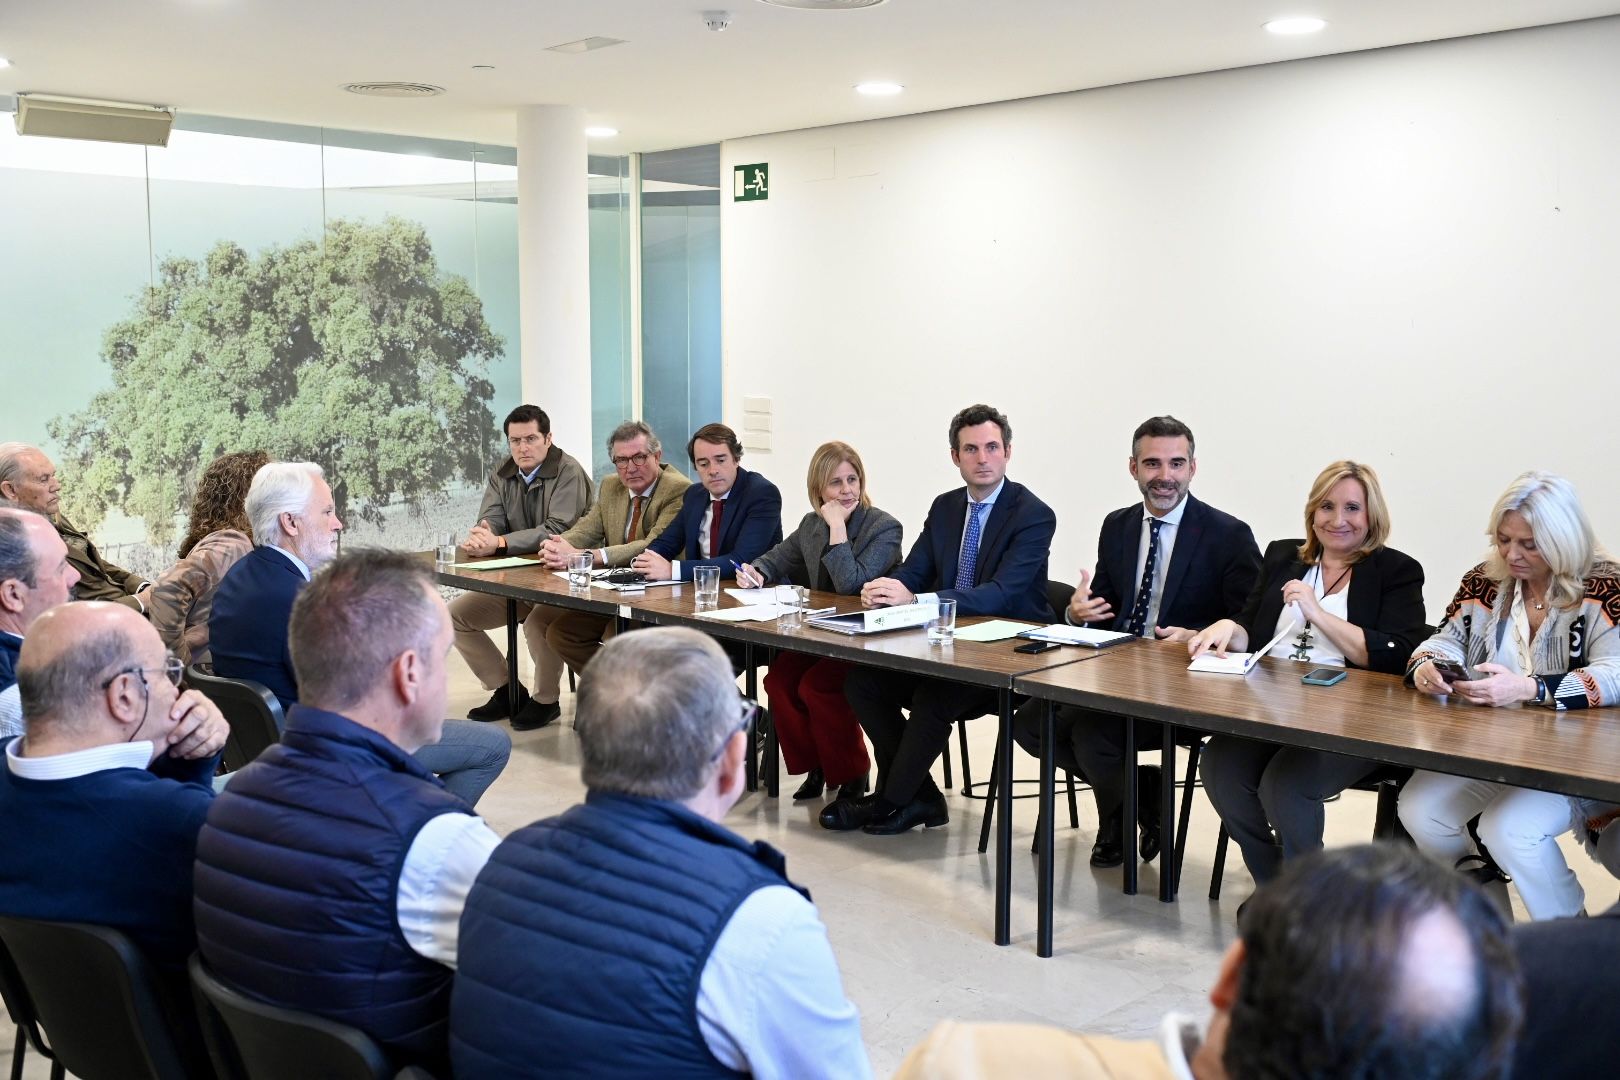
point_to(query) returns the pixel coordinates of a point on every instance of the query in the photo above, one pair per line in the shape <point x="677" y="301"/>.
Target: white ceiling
<point x="675" y="83"/>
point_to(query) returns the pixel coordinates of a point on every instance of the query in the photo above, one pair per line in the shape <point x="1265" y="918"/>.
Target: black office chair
<point x="21" y="1009"/>
<point x="252" y="711"/>
<point x="98" y="998"/>
<point x="250" y="1040"/>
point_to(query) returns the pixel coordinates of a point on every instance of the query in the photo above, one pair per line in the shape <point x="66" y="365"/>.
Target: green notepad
<point x="497" y="564"/>
<point x="994" y="630"/>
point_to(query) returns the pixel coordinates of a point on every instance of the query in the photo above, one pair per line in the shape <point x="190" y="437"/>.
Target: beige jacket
<point x="183" y="597"/>
<point x="604" y="523"/>
<point x="98" y="578"/>
<point x="526" y="514"/>
<point x="957" y="1051"/>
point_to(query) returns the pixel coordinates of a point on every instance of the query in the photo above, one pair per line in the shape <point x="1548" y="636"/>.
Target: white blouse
<point x="1322" y="651"/>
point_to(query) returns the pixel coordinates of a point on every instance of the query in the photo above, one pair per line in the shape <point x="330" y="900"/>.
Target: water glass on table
<point x="942" y="627"/>
<point x="707" y="579"/>
<point x="444" y="554"/>
<point x="791" y="603"/>
<point x="579" y="572"/>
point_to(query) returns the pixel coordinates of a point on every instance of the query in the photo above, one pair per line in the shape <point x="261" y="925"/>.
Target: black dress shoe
<point x="855" y="788"/>
<point x="496" y="708"/>
<point x="1147" y="811"/>
<point x="1107" y="854"/>
<point x="535" y="715"/>
<point x="847" y="815"/>
<point x="927" y="810"/>
<point x="813" y="786"/>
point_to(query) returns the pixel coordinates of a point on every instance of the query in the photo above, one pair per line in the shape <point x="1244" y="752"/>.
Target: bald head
<point x="69" y="653"/>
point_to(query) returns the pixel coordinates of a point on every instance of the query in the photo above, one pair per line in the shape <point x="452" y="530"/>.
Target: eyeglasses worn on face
<point x="174" y="669"/>
<point x="749" y="709"/>
<point x="637" y="460"/>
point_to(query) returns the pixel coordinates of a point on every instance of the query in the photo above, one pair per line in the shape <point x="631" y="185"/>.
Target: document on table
<point x="766" y="595"/>
<point x="497" y="564"/>
<point x="752" y="613"/>
<point x="599" y="581"/>
<point x="994" y="630"/>
<point x="1078" y="635"/>
<point x="1239" y="663"/>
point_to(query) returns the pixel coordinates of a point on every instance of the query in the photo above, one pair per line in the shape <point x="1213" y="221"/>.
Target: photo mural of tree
<point x="358" y="355"/>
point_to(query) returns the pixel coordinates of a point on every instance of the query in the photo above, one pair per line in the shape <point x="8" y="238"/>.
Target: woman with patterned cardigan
<point x="1535" y="624"/>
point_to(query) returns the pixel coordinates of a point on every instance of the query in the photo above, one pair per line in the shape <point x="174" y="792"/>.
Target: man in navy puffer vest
<point x="331" y="872"/>
<point x="634" y="935"/>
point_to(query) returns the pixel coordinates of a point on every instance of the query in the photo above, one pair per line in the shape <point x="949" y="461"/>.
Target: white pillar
<point x="554" y="270"/>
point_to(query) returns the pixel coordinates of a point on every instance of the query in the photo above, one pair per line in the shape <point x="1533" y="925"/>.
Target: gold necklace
<point x="1540" y="605"/>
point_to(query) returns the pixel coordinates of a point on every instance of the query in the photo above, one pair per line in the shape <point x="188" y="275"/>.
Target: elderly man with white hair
<point x="296" y="529"/>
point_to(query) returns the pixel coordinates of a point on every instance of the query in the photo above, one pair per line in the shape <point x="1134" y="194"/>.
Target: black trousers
<point x="1258" y="786"/>
<point x="1092" y="744"/>
<point x="906" y="748"/>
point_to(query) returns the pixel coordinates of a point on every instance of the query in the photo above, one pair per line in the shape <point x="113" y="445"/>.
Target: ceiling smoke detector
<point x="394" y="89"/>
<point x="824" y="5"/>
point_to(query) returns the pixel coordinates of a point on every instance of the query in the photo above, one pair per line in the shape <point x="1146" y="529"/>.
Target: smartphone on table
<point x="1037" y="647"/>
<point x="1323" y="676"/>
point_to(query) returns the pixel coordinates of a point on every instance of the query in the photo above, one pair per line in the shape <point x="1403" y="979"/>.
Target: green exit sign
<point x="750" y="183"/>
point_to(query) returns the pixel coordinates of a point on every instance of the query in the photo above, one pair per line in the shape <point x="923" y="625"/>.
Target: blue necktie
<point x="1144" y="594"/>
<point x="968" y="561"/>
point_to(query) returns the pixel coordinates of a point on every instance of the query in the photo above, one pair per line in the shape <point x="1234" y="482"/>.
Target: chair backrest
<point x="252" y="711"/>
<point x="270" y="1043"/>
<point x="1058" y="595"/>
<point x="19" y="1006"/>
<point x="96" y="997"/>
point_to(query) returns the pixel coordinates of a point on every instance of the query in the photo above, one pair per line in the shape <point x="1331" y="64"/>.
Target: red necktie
<point x="714" y="528"/>
<point x="635" y="517"/>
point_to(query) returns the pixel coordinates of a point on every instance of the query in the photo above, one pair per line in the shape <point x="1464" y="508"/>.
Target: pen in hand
<point x="745" y="576"/>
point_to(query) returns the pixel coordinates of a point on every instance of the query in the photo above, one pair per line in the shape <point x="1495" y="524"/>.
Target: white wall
<point x="1405" y="256"/>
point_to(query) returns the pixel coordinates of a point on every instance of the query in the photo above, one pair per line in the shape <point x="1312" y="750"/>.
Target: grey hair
<point x="281" y="487"/>
<point x="629" y="430"/>
<point x="16" y="553"/>
<point x="51" y="692"/>
<point x="653" y="709"/>
<point x="11" y="459"/>
<point x="358" y="613"/>
<point x="1563" y="533"/>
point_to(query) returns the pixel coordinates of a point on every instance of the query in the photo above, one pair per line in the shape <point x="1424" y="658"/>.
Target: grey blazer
<point x="804" y="557"/>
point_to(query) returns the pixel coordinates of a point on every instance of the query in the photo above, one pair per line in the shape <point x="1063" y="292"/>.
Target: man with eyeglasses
<point x="635" y="935"/>
<point x="635" y="503"/>
<point x="28" y="478"/>
<point x="35" y="576"/>
<point x="536" y="493"/>
<point x="104" y="795"/>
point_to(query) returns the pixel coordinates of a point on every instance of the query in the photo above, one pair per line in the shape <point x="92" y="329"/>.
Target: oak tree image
<point x="357" y="354"/>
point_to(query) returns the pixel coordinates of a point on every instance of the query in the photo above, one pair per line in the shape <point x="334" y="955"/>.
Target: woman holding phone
<point x="843" y="543"/>
<point x="1532" y="625"/>
<point x="1355" y="602"/>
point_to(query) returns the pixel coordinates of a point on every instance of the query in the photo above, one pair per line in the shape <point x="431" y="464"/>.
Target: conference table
<point x="990" y="665"/>
<point x="1367" y="715"/>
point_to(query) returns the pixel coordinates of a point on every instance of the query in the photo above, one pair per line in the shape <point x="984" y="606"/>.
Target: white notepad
<point x="1078" y="635"/>
<point x="1239" y="663"/>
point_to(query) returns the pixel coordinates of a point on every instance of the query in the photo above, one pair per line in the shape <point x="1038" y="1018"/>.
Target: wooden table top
<point x="1367" y="715"/>
<point x="531" y="584"/>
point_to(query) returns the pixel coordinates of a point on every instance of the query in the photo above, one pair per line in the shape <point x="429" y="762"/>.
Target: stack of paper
<point x="1238" y="663"/>
<point x="1078" y="635"/>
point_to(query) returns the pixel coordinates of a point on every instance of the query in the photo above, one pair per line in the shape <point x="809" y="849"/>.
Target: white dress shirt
<point x="1322" y="651"/>
<point x="75" y="763"/>
<point x="1161" y="568"/>
<point x="703" y="535"/>
<point x="770" y="1001"/>
<point x="989" y="504"/>
<point x="445" y="857"/>
<point x="11" y="719"/>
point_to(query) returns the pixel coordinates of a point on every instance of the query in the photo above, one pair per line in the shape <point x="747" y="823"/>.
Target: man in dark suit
<point x="729" y="517"/>
<point x="296" y="526"/>
<point x="1571" y="970"/>
<point x="1166" y="568"/>
<point x="985" y="546"/>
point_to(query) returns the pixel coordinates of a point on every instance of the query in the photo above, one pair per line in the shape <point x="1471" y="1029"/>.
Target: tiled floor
<point x="910" y="916"/>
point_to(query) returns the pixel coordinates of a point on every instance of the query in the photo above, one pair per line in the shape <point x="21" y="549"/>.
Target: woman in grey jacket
<point x="843" y="543"/>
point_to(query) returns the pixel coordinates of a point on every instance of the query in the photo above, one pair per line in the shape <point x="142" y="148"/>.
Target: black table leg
<point x="751" y="688"/>
<point x="511" y="658"/>
<point x="1127" y="810"/>
<point x="1043" y="917"/>
<point x="1167" y="815"/>
<point x="1004" y="840"/>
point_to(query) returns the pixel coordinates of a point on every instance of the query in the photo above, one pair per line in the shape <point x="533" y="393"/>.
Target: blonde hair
<point x="1562" y="532"/>
<point x="824" y="462"/>
<point x="1310" y="552"/>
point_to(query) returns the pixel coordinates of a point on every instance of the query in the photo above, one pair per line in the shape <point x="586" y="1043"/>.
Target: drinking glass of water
<point x="579" y="572"/>
<point x="942" y="627"/>
<point x="708" y="585"/>
<point x="444" y="555"/>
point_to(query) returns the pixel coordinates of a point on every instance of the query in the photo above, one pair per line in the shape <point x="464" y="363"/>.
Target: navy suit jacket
<point x="247" y="629"/>
<point x="1009" y="578"/>
<point x="1212" y="569"/>
<point x="749" y="527"/>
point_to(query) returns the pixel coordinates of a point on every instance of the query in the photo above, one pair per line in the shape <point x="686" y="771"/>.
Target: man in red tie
<point x="731" y="516"/>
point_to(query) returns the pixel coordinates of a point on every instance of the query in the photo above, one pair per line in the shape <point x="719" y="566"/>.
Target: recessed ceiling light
<point x="1296" y="24"/>
<point x="879" y="89"/>
<point x="601" y="132"/>
<point x="483" y="67"/>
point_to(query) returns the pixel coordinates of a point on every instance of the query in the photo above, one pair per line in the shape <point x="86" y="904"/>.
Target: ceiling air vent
<point x="82" y="118"/>
<point x="824" y="5"/>
<point x="394" y="89"/>
<point x="585" y="45"/>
